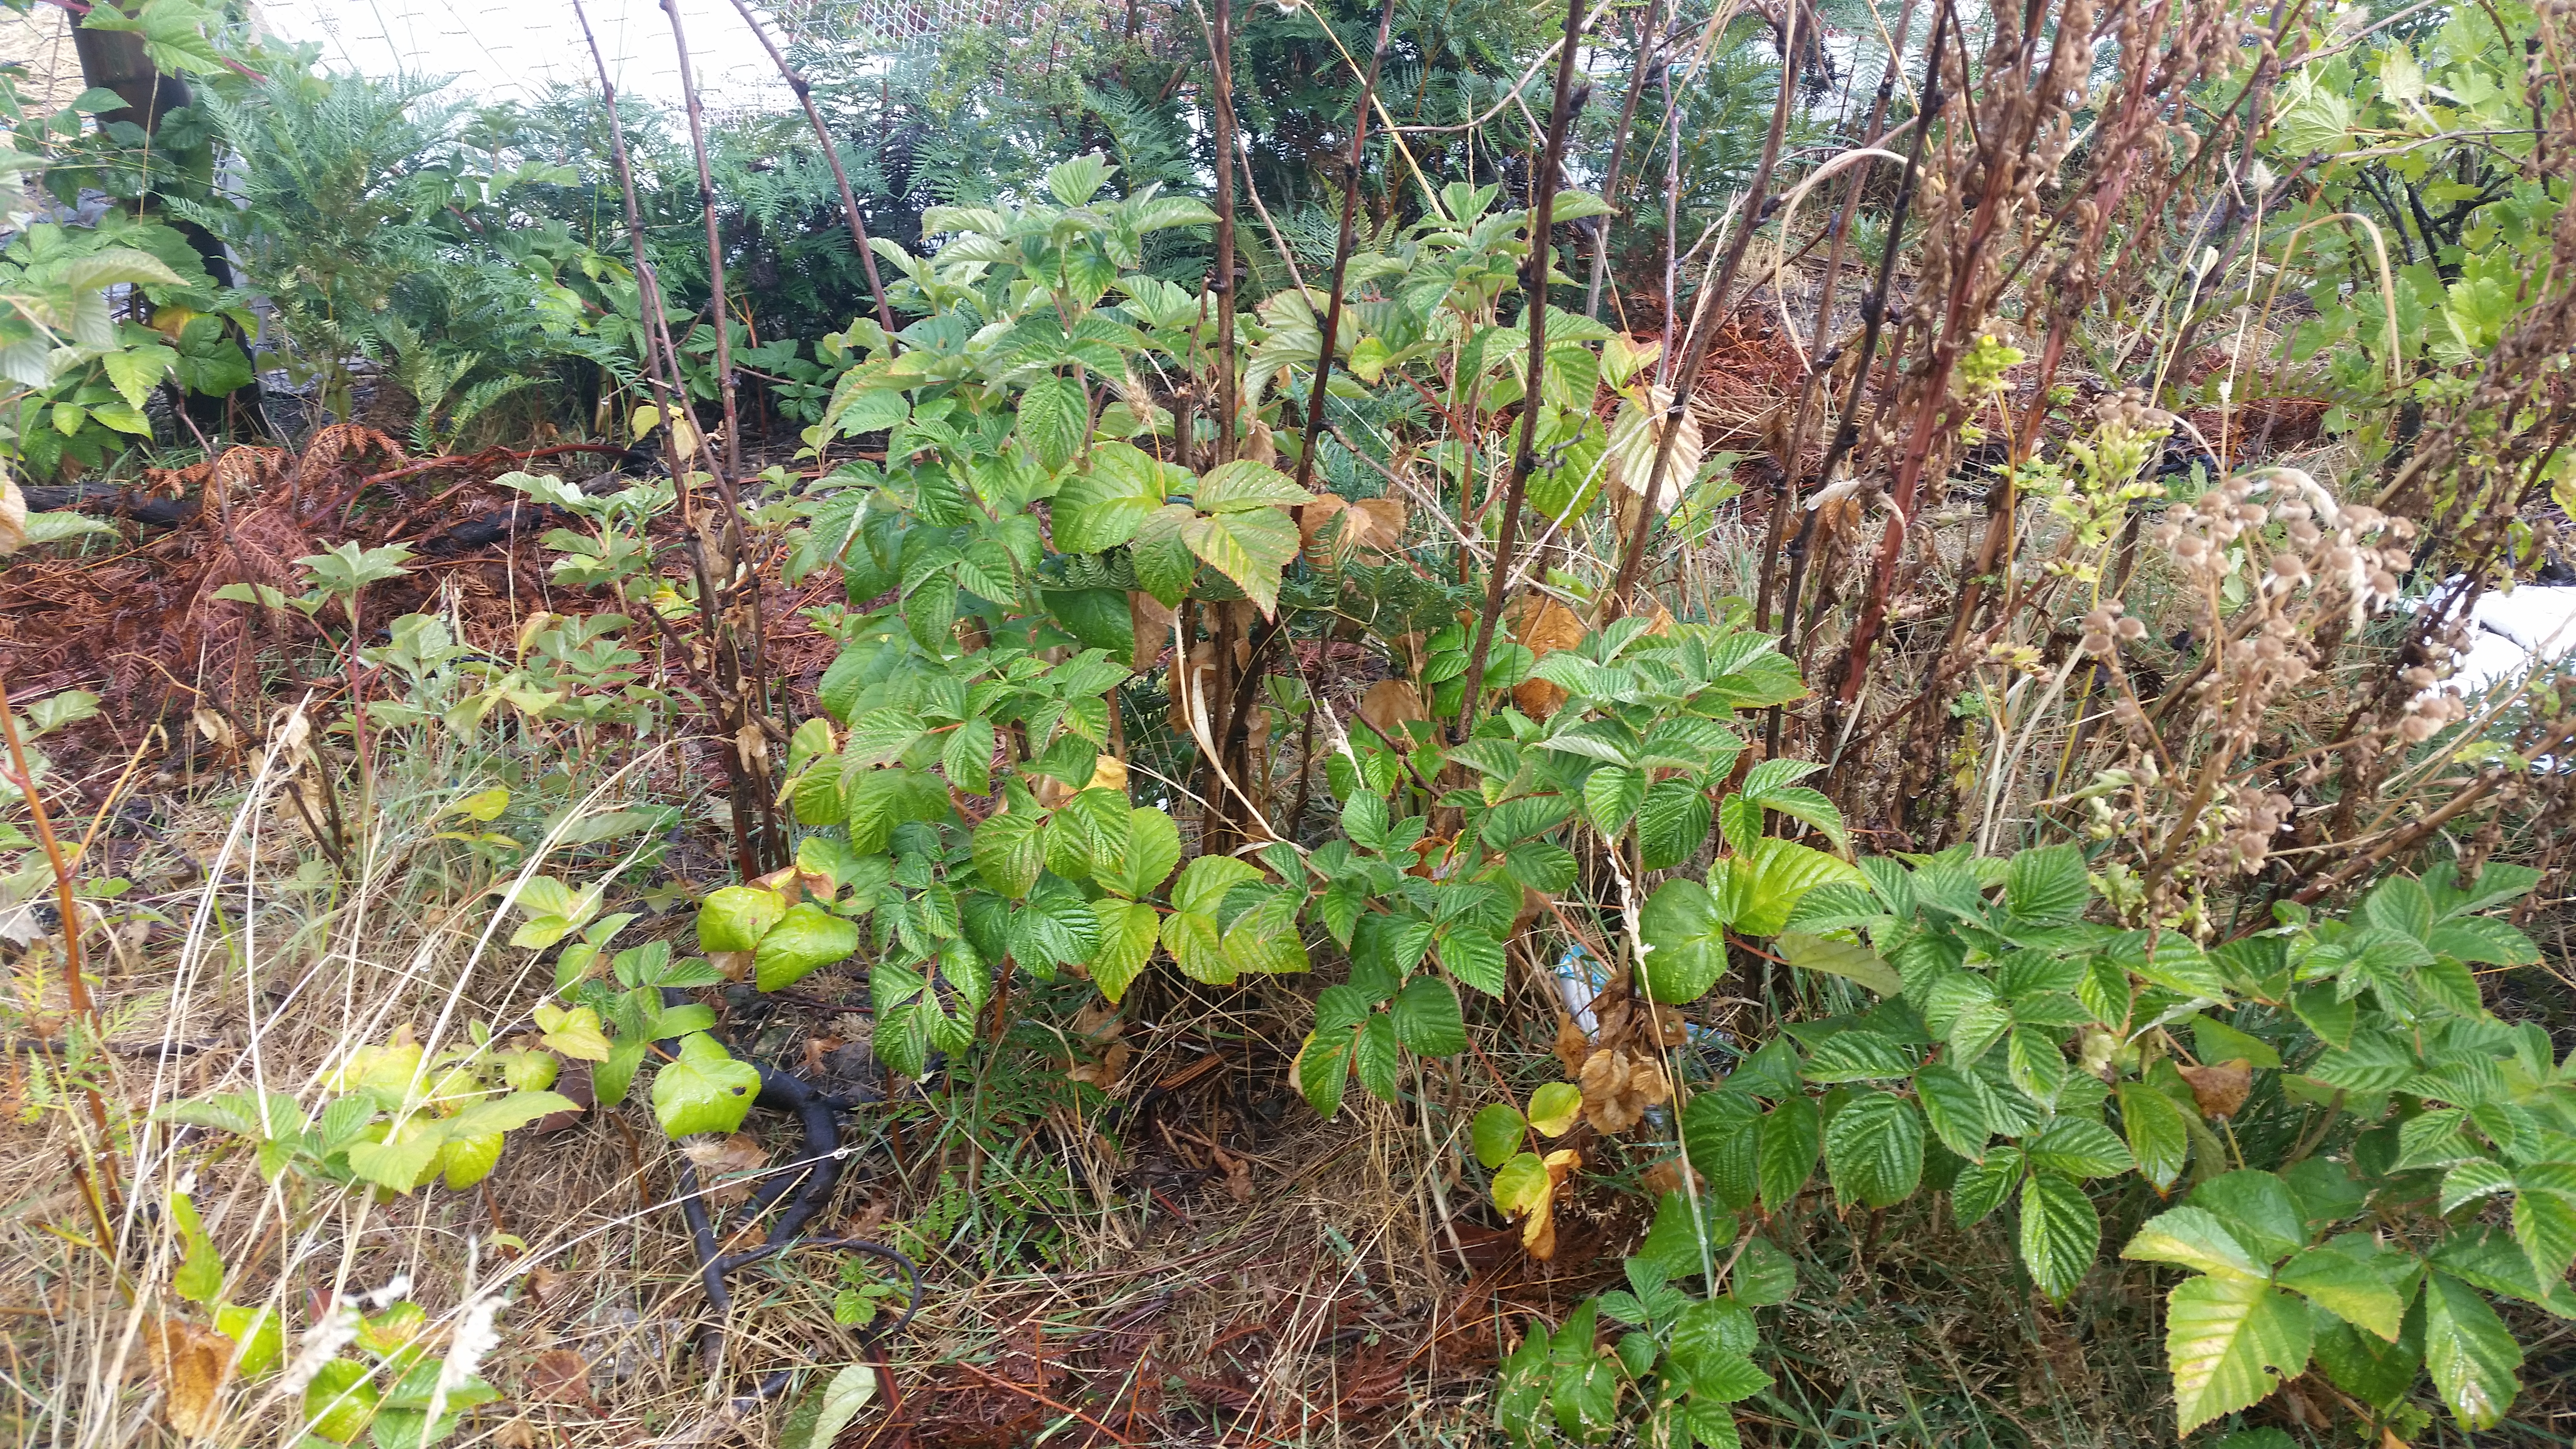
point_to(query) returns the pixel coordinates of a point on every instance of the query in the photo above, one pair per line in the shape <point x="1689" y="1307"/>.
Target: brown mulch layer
<point x="140" y="623"/>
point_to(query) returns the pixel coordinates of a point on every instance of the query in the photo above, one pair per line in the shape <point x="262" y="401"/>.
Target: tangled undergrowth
<point x="1421" y="814"/>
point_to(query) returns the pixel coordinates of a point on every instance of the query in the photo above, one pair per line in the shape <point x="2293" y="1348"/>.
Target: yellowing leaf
<point x="1553" y="1108"/>
<point x="483" y="805"/>
<point x="2230" y="1341"/>
<point x="1251" y="548"/>
<point x="822" y="1417"/>
<point x="465" y="1161"/>
<point x="574" y="1032"/>
<point x="1521" y="1184"/>
<point x="706" y="1090"/>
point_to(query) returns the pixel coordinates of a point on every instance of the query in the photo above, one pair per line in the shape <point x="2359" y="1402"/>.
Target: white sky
<point x="511" y="48"/>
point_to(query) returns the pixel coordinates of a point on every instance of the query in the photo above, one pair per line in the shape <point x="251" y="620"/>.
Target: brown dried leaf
<point x="574" y="1083"/>
<point x="217" y="730"/>
<point x="548" y="1285"/>
<point x="192" y="1365"/>
<point x="1151" y="620"/>
<point x="1235" y="619"/>
<point x="1545" y="626"/>
<point x="1619" y="1084"/>
<point x="1572" y="1046"/>
<point x="1192" y="683"/>
<point x="1538" y="698"/>
<point x="516" y="1434"/>
<point x="1312" y="519"/>
<point x="1098" y="1021"/>
<point x="13" y="515"/>
<point x="1389" y="705"/>
<point x="1538" y="1234"/>
<point x="727" y="1157"/>
<point x="1538" y="1230"/>
<point x="731" y="965"/>
<point x="1256" y="734"/>
<point x="1238" y="1173"/>
<point x="1105" y="1072"/>
<point x="1606" y="1100"/>
<point x="560" y="1376"/>
<point x="2220" y="1090"/>
<point x="1386" y="519"/>
<point x="1666" y="1176"/>
<point x="1533" y="906"/>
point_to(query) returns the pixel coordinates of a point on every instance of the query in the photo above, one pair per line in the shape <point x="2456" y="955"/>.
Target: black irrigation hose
<point x="818" y="1120"/>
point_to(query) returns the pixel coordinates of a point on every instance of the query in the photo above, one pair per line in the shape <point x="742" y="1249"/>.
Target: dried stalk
<point x="2003" y="146"/>
<point x="804" y="90"/>
<point x="758" y="839"/>
<point x="670" y="395"/>
<point x="1873" y="311"/>
<point x="1221" y="62"/>
<point x="1650" y="40"/>
<point x="1524" y="454"/>
<point x="1342" y="243"/>
<point x="715" y="255"/>
<point x="25" y="781"/>
<point x="1711" y="315"/>
<point x="1820" y="365"/>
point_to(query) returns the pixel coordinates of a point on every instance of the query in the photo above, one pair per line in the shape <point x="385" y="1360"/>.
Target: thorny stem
<point x="1712" y="308"/>
<point x="804" y="90"/>
<point x="1650" y="43"/>
<point x="1238" y="727"/>
<point x="715" y="252"/>
<point x="755" y="839"/>
<point x="1910" y="466"/>
<point x="1822" y="365"/>
<point x="668" y="396"/>
<point x="1821" y="369"/>
<point x="1221" y="61"/>
<point x="1341" y="253"/>
<point x="1541" y="257"/>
